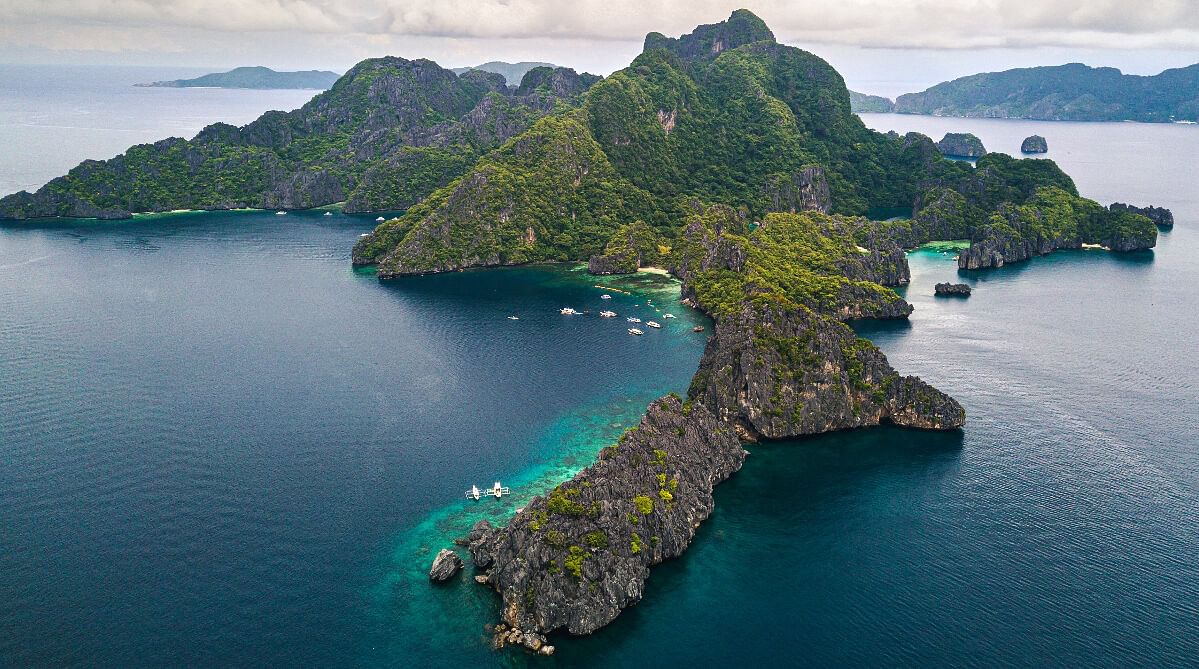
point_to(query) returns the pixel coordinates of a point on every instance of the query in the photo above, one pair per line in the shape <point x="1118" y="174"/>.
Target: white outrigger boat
<point x="514" y="318"/>
<point x="633" y="319"/>
<point x="567" y="311"/>
<point x="635" y="331"/>
<point x="380" y="219"/>
<point x="328" y="213"/>
<point x="607" y="314"/>
<point x="605" y="296"/>
<point x="497" y="490"/>
<point x="653" y="324"/>
<point x="280" y="213"/>
<point x="667" y="315"/>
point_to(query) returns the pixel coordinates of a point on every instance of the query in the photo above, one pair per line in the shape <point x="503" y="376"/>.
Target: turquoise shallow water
<point x="221" y="445"/>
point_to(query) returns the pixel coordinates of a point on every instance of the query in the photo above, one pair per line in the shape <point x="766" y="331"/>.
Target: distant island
<point x="512" y="73"/>
<point x="254" y="77"/>
<point x="1073" y="92"/>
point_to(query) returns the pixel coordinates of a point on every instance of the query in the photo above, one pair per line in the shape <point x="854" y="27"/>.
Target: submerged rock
<point x="1034" y="144"/>
<point x="1160" y="216"/>
<point x="952" y="289"/>
<point x="961" y="145"/>
<point x="445" y="565"/>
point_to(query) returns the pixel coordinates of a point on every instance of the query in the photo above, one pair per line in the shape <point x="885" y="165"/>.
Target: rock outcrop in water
<point x="1034" y="144"/>
<point x="578" y="556"/>
<point x="961" y="145"/>
<point x="445" y="566"/>
<point x="1160" y="216"/>
<point x="953" y="289"/>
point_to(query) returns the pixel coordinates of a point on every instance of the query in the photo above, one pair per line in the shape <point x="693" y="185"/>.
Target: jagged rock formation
<point x="383" y="137"/>
<point x="445" y="566"/>
<point x="777" y="373"/>
<point x="1161" y="217"/>
<point x="952" y="289"/>
<point x="1034" y="144"/>
<point x="805" y="190"/>
<point x="575" y="558"/>
<point x="961" y="145"/>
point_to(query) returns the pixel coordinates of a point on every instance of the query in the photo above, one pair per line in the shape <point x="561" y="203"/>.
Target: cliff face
<point x="805" y="190"/>
<point x="577" y="557"/>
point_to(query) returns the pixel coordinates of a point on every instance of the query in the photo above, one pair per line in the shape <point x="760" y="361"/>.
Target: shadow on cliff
<point x="803" y="518"/>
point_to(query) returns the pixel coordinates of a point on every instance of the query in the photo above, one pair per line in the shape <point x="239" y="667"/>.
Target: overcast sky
<point x="885" y="46"/>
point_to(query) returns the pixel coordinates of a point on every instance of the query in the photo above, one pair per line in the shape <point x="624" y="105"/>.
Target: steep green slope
<point x="385" y="135"/>
<point x="1071" y="92"/>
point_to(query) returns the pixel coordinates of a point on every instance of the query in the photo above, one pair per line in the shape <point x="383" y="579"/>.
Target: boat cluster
<point x="496" y="491"/>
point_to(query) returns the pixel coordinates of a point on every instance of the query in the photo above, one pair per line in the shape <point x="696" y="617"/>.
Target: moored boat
<point x="607" y="314"/>
<point x="653" y="324"/>
<point x="635" y="331"/>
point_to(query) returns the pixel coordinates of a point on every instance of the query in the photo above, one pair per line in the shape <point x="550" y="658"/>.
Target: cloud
<point x="941" y="24"/>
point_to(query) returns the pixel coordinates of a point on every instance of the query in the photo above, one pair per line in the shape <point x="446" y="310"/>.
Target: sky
<point x="880" y="46"/>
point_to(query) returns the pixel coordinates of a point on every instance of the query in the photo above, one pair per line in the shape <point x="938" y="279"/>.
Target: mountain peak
<point x="741" y="27"/>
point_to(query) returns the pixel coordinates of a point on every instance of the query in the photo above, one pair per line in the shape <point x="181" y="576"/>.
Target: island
<point x="1034" y="144"/>
<point x="952" y="289"/>
<point x="254" y="77"/>
<point x="1073" y="92"/>
<point x="729" y="160"/>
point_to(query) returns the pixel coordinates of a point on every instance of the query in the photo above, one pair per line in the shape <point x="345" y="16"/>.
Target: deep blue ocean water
<point x="219" y="444"/>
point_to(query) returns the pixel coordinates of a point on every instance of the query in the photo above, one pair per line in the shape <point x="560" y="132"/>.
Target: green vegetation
<point x="644" y="504"/>
<point x="635" y="544"/>
<point x="863" y="103"/>
<point x="596" y="539"/>
<point x="555" y="538"/>
<point x="560" y="502"/>
<point x="574" y="561"/>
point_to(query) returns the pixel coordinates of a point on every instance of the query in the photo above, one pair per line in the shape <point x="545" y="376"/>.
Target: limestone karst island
<point x="699" y="315"/>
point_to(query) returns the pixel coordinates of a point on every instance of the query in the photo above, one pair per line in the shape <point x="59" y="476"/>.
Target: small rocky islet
<point x="1034" y="144"/>
<point x="773" y="245"/>
<point x="952" y="289"/>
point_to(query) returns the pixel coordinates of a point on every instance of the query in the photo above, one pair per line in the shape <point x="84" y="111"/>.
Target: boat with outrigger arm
<point x="497" y="490"/>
